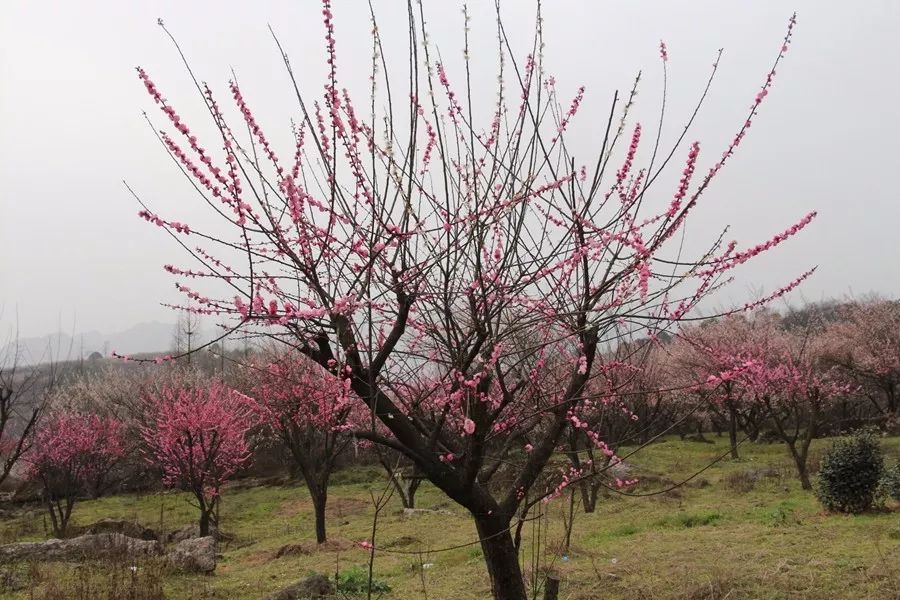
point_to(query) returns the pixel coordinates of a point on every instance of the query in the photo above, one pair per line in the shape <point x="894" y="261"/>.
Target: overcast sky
<point x="74" y="252"/>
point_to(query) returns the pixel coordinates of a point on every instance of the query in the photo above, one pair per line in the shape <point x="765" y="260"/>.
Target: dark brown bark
<point x="733" y="430"/>
<point x="204" y="523"/>
<point x="319" y="500"/>
<point x="60" y="512"/>
<point x="500" y="557"/>
<point x="803" y="473"/>
<point x="551" y="588"/>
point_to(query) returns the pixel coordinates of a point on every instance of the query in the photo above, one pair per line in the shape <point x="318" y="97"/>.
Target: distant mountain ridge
<point x="151" y="336"/>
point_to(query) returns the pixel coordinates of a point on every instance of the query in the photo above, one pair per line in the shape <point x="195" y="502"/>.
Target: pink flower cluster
<point x="75" y="446"/>
<point x="198" y="436"/>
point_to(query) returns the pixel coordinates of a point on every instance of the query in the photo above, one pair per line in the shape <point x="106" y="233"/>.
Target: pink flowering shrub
<point x="198" y="438"/>
<point x="70" y="451"/>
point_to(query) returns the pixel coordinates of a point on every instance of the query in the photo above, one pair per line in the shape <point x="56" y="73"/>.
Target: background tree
<point x="864" y="342"/>
<point x="419" y="245"/>
<point x="24" y="390"/>
<point x="311" y="414"/>
<point x="186" y="334"/>
<point x="722" y="352"/>
<point x="627" y="403"/>
<point x="72" y="454"/>
<point x="797" y="389"/>
<point x="198" y="437"/>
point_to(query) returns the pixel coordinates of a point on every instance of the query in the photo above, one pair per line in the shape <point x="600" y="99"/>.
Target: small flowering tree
<point x="312" y="414"/>
<point x="416" y="245"/>
<point x="72" y="452"/>
<point x="198" y="438"/>
<point x="797" y="389"/>
<point x="757" y="371"/>
<point x="864" y="343"/>
<point x="626" y="402"/>
<point x="719" y="357"/>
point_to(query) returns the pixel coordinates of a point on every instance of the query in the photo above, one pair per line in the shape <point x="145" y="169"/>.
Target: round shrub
<point x="850" y="472"/>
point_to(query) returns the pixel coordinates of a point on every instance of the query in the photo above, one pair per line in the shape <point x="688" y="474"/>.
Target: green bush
<point x="356" y="581"/>
<point x="850" y="472"/>
<point x="890" y="483"/>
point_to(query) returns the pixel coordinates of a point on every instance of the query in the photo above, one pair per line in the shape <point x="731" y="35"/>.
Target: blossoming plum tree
<point x="311" y="413"/>
<point x="627" y="402"/>
<point x="491" y="263"/>
<point x="198" y="437"/>
<point x="865" y="344"/>
<point x="757" y="371"/>
<point x="797" y="387"/>
<point x="720" y="356"/>
<point x="70" y="452"/>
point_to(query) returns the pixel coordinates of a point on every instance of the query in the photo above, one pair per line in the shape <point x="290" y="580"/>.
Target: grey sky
<point x="73" y="250"/>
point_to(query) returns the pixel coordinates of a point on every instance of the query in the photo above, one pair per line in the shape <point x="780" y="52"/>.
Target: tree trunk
<point x="500" y="557"/>
<point x="753" y="433"/>
<point x="551" y="591"/>
<point x="589" y="493"/>
<point x="408" y="493"/>
<point x="60" y="513"/>
<point x="732" y="431"/>
<point x="804" y="476"/>
<point x="204" y="521"/>
<point x="570" y="522"/>
<point x="407" y="499"/>
<point x="802" y="469"/>
<point x="802" y="472"/>
<point x="406" y="487"/>
<point x="54" y="520"/>
<point x="892" y="404"/>
<point x="587" y="488"/>
<point x="319" y="499"/>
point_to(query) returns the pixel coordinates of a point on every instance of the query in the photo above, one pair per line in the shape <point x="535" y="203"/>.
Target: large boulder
<point x="314" y="586"/>
<point x="121" y="526"/>
<point x="195" y="555"/>
<point x="84" y="547"/>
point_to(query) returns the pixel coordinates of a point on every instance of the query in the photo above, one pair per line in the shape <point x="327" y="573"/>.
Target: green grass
<point x="741" y="529"/>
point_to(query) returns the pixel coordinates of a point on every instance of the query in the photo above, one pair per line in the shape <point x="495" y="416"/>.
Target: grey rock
<point x="195" y="555"/>
<point x="121" y="526"/>
<point x="84" y="547"/>
<point x="620" y="469"/>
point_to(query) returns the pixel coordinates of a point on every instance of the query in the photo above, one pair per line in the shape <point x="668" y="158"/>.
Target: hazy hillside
<point x="144" y="337"/>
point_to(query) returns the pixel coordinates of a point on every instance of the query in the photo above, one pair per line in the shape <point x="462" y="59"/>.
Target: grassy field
<point x="741" y="529"/>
